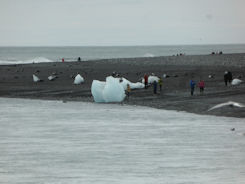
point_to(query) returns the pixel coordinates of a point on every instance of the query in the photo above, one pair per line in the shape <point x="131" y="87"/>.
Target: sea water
<point x="19" y="55"/>
<point x="52" y="142"/>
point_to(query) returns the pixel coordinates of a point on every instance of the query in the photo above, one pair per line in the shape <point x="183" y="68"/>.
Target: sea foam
<point x="34" y="60"/>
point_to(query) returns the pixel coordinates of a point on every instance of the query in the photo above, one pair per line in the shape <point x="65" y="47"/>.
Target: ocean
<point x="53" y="142"/>
<point x="24" y="55"/>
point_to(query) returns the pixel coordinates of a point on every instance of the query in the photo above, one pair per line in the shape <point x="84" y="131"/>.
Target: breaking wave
<point x="34" y="60"/>
<point x="148" y="55"/>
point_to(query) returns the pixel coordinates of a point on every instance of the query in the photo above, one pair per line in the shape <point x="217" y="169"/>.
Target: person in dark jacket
<point x="146" y="80"/>
<point x="155" y="87"/>
<point x="192" y="85"/>
<point x="227" y="77"/>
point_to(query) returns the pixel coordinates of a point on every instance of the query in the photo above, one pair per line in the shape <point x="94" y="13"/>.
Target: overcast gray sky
<point x="121" y="22"/>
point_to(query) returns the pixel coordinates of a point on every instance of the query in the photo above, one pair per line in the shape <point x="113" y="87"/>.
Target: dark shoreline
<point x="16" y="81"/>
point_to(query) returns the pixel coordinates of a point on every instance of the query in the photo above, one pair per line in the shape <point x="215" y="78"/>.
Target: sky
<point x="121" y="22"/>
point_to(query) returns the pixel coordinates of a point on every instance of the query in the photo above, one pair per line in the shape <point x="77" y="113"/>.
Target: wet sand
<point x="16" y="81"/>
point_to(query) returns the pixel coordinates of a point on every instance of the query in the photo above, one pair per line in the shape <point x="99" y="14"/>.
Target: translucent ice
<point x="109" y="91"/>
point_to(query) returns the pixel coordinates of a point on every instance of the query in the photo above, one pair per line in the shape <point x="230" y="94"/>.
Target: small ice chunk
<point x="78" y="79"/>
<point x="52" y="77"/>
<point x="35" y="78"/>
<point x="236" y="82"/>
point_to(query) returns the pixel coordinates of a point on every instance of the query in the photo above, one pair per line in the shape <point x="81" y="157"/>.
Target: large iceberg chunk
<point x="109" y="91"/>
<point x="97" y="90"/>
<point x="113" y="91"/>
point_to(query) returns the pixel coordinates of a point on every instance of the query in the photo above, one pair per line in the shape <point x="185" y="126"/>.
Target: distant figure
<point x="128" y="90"/>
<point x="146" y="80"/>
<point x="227" y="77"/>
<point x="63" y="60"/>
<point x="78" y="59"/>
<point x="201" y="86"/>
<point x="155" y="87"/>
<point x="192" y="85"/>
<point x="160" y="84"/>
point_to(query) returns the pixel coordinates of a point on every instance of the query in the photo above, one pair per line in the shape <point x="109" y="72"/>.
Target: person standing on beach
<point x="192" y="85"/>
<point x="128" y="90"/>
<point x="146" y="80"/>
<point x="155" y="87"/>
<point x="227" y="77"/>
<point x="160" y="84"/>
<point x="201" y="86"/>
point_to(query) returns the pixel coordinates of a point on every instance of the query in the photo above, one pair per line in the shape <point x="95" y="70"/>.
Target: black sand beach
<point x="16" y="81"/>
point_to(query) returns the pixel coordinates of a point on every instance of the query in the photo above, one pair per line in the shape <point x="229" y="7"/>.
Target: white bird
<point x="230" y="103"/>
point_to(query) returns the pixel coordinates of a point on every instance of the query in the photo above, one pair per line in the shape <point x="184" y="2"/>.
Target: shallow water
<point x="75" y="142"/>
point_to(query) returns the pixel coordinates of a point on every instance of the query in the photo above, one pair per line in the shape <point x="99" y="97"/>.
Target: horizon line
<point x="150" y="45"/>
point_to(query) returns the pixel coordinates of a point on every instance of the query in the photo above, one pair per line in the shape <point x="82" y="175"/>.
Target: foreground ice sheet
<point x="54" y="142"/>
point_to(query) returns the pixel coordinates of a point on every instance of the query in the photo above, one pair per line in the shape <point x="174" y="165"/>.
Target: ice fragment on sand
<point x="78" y="79"/>
<point x="236" y="82"/>
<point x="52" y="77"/>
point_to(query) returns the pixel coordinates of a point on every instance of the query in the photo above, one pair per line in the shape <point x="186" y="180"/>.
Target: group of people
<point x="201" y="84"/>
<point x="78" y="59"/>
<point x="155" y="83"/>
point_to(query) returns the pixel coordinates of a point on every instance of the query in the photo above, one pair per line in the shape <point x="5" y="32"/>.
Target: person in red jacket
<point x="146" y="80"/>
<point x="201" y="86"/>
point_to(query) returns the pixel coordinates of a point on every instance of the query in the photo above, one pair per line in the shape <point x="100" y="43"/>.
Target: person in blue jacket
<point x="192" y="85"/>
